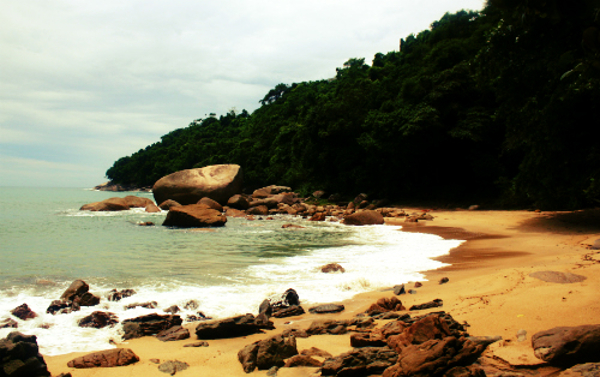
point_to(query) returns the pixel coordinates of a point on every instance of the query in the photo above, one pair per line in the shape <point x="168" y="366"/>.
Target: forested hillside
<point x="501" y="105"/>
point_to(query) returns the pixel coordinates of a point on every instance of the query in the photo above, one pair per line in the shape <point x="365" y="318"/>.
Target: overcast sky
<point x="83" y="83"/>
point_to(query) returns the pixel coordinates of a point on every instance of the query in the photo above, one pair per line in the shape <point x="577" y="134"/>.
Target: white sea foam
<point x="374" y="257"/>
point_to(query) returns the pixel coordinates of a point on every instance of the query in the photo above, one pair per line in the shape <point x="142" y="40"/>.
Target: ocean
<point x="46" y="243"/>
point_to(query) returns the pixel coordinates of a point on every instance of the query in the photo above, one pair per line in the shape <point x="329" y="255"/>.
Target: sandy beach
<point x="489" y="288"/>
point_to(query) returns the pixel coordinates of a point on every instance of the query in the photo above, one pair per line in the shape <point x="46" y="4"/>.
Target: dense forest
<point x="500" y="106"/>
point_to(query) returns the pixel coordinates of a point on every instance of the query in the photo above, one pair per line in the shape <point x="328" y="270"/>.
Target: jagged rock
<point x="20" y="357"/>
<point x="360" y="362"/>
<point x="76" y="289"/>
<point x="148" y="325"/>
<point x="302" y="361"/>
<point x="191" y="305"/>
<point x="367" y="340"/>
<point x="267" y="353"/>
<point x="366" y="217"/>
<point x="218" y="182"/>
<point x="429" y="327"/>
<point x="233" y="327"/>
<point x="87" y="299"/>
<point x="23" y="312"/>
<point x="61" y="306"/>
<point x="289" y="311"/>
<point x="173" y="309"/>
<point x="168" y="204"/>
<point x="336" y="327"/>
<point x="399" y="290"/>
<point x="147" y="305"/>
<point x="382" y="305"/>
<point x="582" y="370"/>
<point x="174" y="333"/>
<point x="568" y="346"/>
<point x="173" y="366"/>
<point x="98" y="320"/>
<point x="332" y="267"/>
<point x="430" y="304"/>
<point x="106" y="359"/>
<point x="194" y="216"/>
<point x="8" y="323"/>
<point x="115" y="295"/>
<point x="327" y="308"/>
<point x="265" y="308"/>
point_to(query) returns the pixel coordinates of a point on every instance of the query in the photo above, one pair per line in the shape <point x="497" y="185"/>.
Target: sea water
<point x="46" y="243"/>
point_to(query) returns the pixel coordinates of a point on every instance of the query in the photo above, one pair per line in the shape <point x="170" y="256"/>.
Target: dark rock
<point x="76" y="289"/>
<point x="366" y="217"/>
<point x="23" y="312"/>
<point x="430" y="304"/>
<point x="367" y="340"/>
<point x="288" y="311"/>
<point x="20" y="357"/>
<point x="116" y="295"/>
<point x="412" y="291"/>
<point x="290" y="297"/>
<point x="360" y="362"/>
<point x="146" y="223"/>
<point x="147" y="305"/>
<point x="427" y="328"/>
<point x="444" y="280"/>
<point x="61" y="306"/>
<point x="386" y="305"/>
<point x="196" y="318"/>
<point x="327" y="308"/>
<point x="418" y="284"/>
<point x="173" y="309"/>
<point x="87" y="299"/>
<point x="332" y="267"/>
<point x="194" y="216"/>
<point x="337" y="327"/>
<point x="8" y="323"/>
<point x="191" y="305"/>
<point x="168" y="204"/>
<point x="238" y="202"/>
<point x="106" y="359"/>
<point x="173" y="366"/>
<point x="399" y="290"/>
<point x="260" y="210"/>
<point x="172" y="334"/>
<point x="557" y="277"/>
<point x="568" y="346"/>
<point x="196" y="344"/>
<point x="468" y="371"/>
<point x="265" y="308"/>
<point x="302" y="361"/>
<point x="98" y="320"/>
<point x="148" y="325"/>
<point x="218" y="182"/>
<point x="267" y="353"/>
<point x="232" y="327"/>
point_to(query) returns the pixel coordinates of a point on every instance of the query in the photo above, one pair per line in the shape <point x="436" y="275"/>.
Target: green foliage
<point x="500" y="104"/>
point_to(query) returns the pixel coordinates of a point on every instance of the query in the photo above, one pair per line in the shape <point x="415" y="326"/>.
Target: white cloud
<point x="111" y="77"/>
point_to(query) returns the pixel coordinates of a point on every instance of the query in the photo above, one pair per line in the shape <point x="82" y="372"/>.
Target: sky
<point x="83" y="83"/>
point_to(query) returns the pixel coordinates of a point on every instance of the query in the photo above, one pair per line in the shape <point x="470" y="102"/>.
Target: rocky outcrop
<point x="218" y="182"/>
<point x="385" y="304"/>
<point x="428" y="305"/>
<point x="366" y="217"/>
<point x="106" y="359"/>
<point x="233" y="327"/>
<point x="23" y="312"/>
<point x="360" y="362"/>
<point x="8" y="323"/>
<point x="267" y="353"/>
<point x="194" y="216"/>
<point x="20" y="357"/>
<point x="568" y="346"/>
<point x="115" y="295"/>
<point x="150" y="324"/>
<point x="98" y="320"/>
<point x="73" y="297"/>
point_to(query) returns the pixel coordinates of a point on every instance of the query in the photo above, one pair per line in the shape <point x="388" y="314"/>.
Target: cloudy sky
<point x="83" y="83"/>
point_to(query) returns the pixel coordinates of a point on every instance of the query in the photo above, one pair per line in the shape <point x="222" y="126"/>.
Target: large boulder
<point x="20" y="357"/>
<point x="267" y="353"/>
<point x="150" y="324"/>
<point x="233" y="327"/>
<point x="218" y="182"/>
<point x="111" y="204"/>
<point x="360" y="362"/>
<point x="567" y="346"/>
<point x="366" y="217"/>
<point x="194" y="216"/>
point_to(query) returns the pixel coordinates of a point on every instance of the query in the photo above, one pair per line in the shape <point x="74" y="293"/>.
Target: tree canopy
<point x="500" y="105"/>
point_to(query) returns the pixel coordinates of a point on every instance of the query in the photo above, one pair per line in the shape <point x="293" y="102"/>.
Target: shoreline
<point x="489" y="288"/>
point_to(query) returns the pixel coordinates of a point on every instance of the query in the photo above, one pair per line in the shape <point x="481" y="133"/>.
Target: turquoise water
<point x="46" y="243"/>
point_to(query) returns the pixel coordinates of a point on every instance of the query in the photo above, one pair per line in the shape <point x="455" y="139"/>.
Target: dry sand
<point x="489" y="288"/>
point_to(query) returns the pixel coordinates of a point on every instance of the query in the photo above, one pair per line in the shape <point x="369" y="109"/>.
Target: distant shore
<point x="489" y="288"/>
